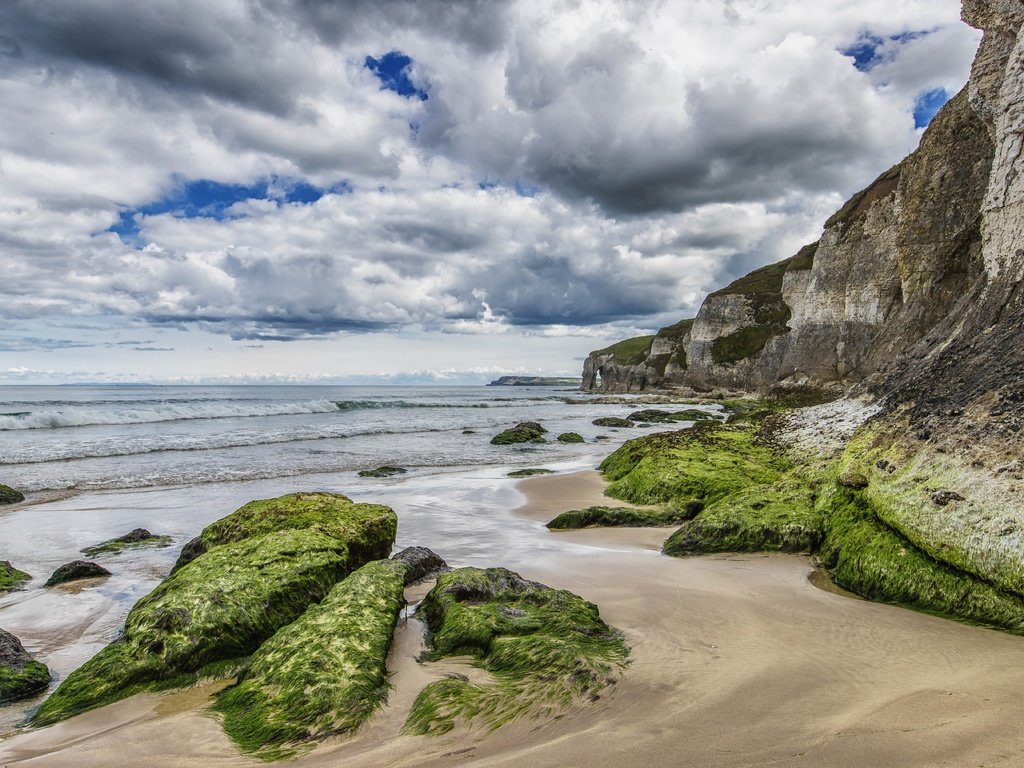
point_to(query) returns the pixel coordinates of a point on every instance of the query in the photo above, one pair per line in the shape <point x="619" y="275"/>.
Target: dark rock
<point x="10" y="496"/>
<point x="382" y="472"/>
<point x="190" y="552"/>
<point x="612" y="421"/>
<point x="570" y="437"/>
<point x="136" y="538"/>
<point x="530" y="472"/>
<point x="523" y="432"/>
<point x="75" y="570"/>
<point x="944" y="497"/>
<point x="421" y="564"/>
<point x="20" y="674"/>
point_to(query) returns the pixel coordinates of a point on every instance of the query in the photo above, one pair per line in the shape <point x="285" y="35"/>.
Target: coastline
<point x="737" y="660"/>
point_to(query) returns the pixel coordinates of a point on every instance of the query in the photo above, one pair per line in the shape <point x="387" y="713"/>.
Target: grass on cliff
<point x="324" y="674"/>
<point x="11" y="577"/>
<point x="629" y="351"/>
<point x="544" y="649"/>
<point x="691" y="468"/>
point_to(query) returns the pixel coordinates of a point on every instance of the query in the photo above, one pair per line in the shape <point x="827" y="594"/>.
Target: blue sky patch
<point x="207" y="199"/>
<point x="927" y="105"/>
<point x="870" y="49"/>
<point x="392" y="69"/>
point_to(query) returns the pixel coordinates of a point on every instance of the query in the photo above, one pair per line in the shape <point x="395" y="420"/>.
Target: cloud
<point x="270" y="170"/>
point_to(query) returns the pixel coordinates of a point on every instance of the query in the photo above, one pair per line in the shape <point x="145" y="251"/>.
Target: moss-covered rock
<point x="367" y="529"/>
<point x="691" y="468"/>
<point x="533" y="471"/>
<point x="384" y="471"/>
<point x="523" y="432"/>
<point x="873" y="560"/>
<point x="545" y="649"/>
<point x="625" y="517"/>
<point x="220" y="606"/>
<point x="780" y="517"/>
<point x="10" y="577"/>
<point x="657" y="416"/>
<point x="612" y="421"/>
<point x="21" y="676"/>
<point x="570" y="437"/>
<point x="324" y="674"/>
<point x="139" y="537"/>
<point x="75" y="571"/>
<point x="10" y="496"/>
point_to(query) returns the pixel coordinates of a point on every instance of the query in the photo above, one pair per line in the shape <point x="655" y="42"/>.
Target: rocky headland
<point x="899" y="331"/>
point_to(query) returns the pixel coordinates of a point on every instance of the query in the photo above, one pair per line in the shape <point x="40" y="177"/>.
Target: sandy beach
<point x="736" y="661"/>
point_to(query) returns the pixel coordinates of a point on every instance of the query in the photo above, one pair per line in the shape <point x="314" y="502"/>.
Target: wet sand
<point x="737" y="661"/>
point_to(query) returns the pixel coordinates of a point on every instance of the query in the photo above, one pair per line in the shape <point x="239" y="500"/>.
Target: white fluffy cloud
<point x="578" y="167"/>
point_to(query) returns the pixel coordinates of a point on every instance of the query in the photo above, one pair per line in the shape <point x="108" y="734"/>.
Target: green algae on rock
<point x="10" y="577"/>
<point x="532" y="472"/>
<point x="21" y="676"/>
<point x="10" y="496"/>
<point x="612" y="421"/>
<point x="779" y="517"/>
<point x="625" y="517"/>
<point x="691" y="468"/>
<point x="139" y="537"/>
<point x="384" y="471"/>
<point x="367" y="529"/>
<point x="570" y="437"/>
<point x="544" y="649"/>
<point x="873" y="560"/>
<point x="657" y="416"/>
<point x="324" y="674"/>
<point x="219" y="607"/>
<point x="523" y="432"/>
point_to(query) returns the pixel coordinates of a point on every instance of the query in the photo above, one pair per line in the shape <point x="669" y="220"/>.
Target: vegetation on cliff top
<point x="629" y="351"/>
<point x="544" y="649"/>
<point x="324" y="674"/>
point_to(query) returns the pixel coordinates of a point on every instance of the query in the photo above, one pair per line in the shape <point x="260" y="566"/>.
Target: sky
<point x="424" y="191"/>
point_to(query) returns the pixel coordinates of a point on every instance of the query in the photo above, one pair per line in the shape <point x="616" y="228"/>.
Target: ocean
<point x="98" y="461"/>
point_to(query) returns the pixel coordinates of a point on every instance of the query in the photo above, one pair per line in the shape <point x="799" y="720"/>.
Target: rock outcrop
<point x="21" y="676"/>
<point x="929" y="255"/>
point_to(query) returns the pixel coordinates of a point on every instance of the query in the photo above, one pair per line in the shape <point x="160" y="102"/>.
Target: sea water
<point x="99" y="461"/>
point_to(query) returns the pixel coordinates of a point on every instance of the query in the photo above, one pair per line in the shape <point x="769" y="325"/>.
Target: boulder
<point x="139" y="537"/>
<point x="11" y="577"/>
<point x="612" y="421"/>
<point x="76" y="570"/>
<point x="524" y="432"/>
<point x="10" y="496"/>
<point x="421" y="564"/>
<point x="20" y="675"/>
<point x="570" y="437"/>
<point x="384" y="471"/>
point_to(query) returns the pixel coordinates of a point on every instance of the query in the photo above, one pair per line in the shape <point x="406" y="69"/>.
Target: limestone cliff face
<point x="927" y="258"/>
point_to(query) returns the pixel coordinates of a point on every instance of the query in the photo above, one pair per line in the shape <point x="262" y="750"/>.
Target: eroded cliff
<point x="929" y="253"/>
